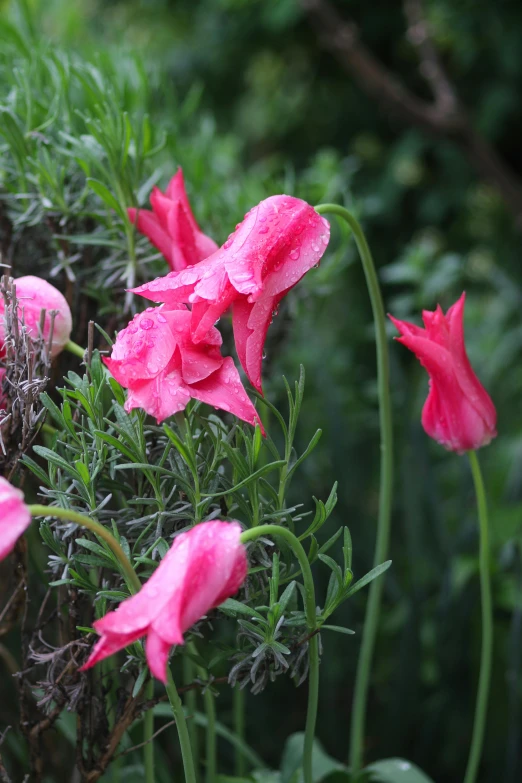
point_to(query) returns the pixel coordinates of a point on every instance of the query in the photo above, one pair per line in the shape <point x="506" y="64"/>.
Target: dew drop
<point x="295" y="253"/>
<point x="146" y="323"/>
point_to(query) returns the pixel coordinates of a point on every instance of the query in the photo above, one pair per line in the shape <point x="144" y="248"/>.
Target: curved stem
<point x="311" y="621"/>
<point x="481" y="707"/>
<point x="183" y="733"/>
<point x="371" y="621"/>
<point x="148" y="733"/>
<point x="131" y="577"/>
<point x="74" y="348"/>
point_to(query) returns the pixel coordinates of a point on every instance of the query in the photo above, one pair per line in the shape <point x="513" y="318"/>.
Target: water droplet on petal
<point x="295" y="253"/>
<point x="146" y="323"/>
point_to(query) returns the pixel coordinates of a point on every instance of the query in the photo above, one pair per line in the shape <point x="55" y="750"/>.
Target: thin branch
<point x="444" y="118"/>
<point x="430" y="68"/>
<point x="142" y="744"/>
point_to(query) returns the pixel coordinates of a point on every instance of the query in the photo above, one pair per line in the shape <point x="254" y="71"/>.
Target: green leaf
<point x="139" y="682"/>
<point x="369" y="577"/>
<point x="233" y="608"/>
<point x="396" y="771"/>
<point x="105" y="194"/>
<point x="261" y="472"/>
<point x="339" y="629"/>
<point x="292" y="761"/>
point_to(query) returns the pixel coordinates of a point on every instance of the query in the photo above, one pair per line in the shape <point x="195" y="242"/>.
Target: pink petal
<point x="251" y="322"/>
<point x="174" y="288"/>
<point x="224" y="390"/>
<point x="148" y="223"/>
<point x="14" y="517"/>
<point x="160" y="397"/>
<point x="205" y="314"/>
<point x="177" y="192"/>
<point x="144" y="348"/>
<point x="162" y="206"/>
<point x="184" y="248"/>
<point x="157" y="651"/>
<point x="204" y="245"/>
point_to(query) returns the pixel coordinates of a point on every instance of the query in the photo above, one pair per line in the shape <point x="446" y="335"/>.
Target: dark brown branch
<point x="430" y="67"/>
<point x="444" y="118"/>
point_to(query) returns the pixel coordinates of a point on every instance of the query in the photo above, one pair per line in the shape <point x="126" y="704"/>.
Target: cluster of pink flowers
<point x="172" y="353"/>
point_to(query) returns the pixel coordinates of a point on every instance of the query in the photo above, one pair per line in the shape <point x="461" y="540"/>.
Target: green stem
<point x="481" y="707"/>
<point x="371" y="621"/>
<point x="148" y="733"/>
<point x="210" y="736"/>
<point x="131" y="577"/>
<point x="239" y="730"/>
<point x="311" y="621"/>
<point x="210" y="728"/>
<point x="183" y="733"/>
<point x="191" y="701"/>
<point x="74" y="348"/>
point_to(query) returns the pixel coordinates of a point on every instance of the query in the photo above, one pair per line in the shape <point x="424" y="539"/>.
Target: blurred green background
<point x="258" y="97"/>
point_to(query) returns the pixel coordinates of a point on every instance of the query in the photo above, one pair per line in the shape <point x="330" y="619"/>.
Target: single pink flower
<point x="203" y="567"/>
<point x="155" y="358"/>
<point x="458" y="413"/>
<point x="276" y="244"/>
<point x="172" y="227"/>
<point x="14" y="517"/>
<point x="35" y="295"/>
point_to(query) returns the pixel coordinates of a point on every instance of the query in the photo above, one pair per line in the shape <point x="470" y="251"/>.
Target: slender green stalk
<point x="189" y="673"/>
<point x="311" y="621"/>
<point x="131" y="577"/>
<point x="74" y="348"/>
<point x="210" y="736"/>
<point x="148" y="733"/>
<point x="183" y="733"/>
<point x="481" y="706"/>
<point x="239" y="730"/>
<point x="371" y="621"/>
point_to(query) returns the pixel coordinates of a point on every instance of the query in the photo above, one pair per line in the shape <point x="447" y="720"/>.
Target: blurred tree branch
<point x="444" y="117"/>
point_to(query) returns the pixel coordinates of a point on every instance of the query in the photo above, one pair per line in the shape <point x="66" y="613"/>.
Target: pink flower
<point x="171" y="226"/>
<point x="458" y="413"/>
<point x="14" y="517"/>
<point x="35" y="295"/>
<point x="155" y="358"/>
<point x="203" y="568"/>
<point x="276" y="244"/>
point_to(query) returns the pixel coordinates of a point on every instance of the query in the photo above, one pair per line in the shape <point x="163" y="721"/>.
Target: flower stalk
<point x="371" y="621"/>
<point x="311" y="622"/>
<point x="481" y="707"/>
